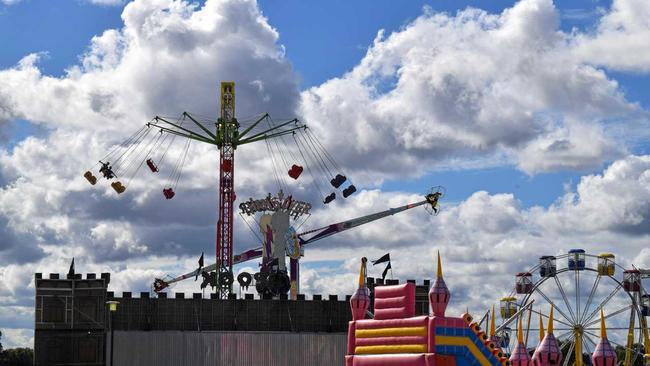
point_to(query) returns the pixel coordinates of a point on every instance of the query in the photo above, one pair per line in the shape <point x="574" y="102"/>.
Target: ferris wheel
<point x="577" y="285"/>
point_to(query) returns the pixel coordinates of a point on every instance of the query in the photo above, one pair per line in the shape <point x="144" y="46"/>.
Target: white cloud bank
<point x="493" y="233"/>
<point x="473" y="84"/>
<point x="621" y="39"/>
<point x="445" y="89"/>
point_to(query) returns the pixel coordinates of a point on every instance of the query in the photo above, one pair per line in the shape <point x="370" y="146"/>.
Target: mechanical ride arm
<point x="430" y="199"/>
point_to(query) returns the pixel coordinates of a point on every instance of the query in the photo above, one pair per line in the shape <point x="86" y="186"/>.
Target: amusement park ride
<point x="559" y="282"/>
<point x="279" y="237"/>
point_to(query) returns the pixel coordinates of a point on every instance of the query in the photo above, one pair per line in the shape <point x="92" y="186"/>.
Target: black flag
<point x="200" y="267"/>
<point x="71" y="270"/>
<point x="383" y="275"/>
<point x="384" y="258"/>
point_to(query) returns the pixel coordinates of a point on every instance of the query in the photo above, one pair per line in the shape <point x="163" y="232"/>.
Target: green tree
<point x="17" y="357"/>
<point x="637" y="354"/>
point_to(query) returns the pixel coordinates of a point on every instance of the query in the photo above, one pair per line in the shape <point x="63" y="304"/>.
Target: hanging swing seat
<point x="169" y="193"/>
<point x="348" y="191"/>
<point x="107" y="170"/>
<point x="295" y="171"/>
<point x="90" y="177"/>
<point x="330" y="198"/>
<point x="152" y="166"/>
<point x="338" y="180"/>
<point x="118" y="187"/>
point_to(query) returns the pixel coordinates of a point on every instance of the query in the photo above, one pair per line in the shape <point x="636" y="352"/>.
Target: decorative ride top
<point x="293" y="207"/>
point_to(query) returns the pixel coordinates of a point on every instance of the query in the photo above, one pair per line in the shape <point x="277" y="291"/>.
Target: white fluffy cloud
<point x="467" y="85"/>
<point x="168" y="57"/>
<point x="620" y="41"/>
<point x="618" y="200"/>
<point x="169" y="54"/>
<point x="493" y="233"/>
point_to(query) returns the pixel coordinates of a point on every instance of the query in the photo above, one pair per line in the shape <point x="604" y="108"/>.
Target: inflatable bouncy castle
<point x="396" y="337"/>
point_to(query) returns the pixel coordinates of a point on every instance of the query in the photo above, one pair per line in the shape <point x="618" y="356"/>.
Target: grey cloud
<point x="17" y="247"/>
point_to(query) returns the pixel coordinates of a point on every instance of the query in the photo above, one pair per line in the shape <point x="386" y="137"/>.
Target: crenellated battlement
<point x="75" y="276"/>
<point x="79" y="302"/>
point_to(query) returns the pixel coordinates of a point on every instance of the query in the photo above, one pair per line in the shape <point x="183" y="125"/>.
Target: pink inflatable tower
<point x="395" y="336"/>
<point x="520" y="356"/>
<point x="439" y="294"/>
<point x="548" y="352"/>
<point x="604" y="354"/>
<point x="360" y="300"/>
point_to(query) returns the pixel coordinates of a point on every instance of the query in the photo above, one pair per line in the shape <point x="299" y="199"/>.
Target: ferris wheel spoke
<point x="566" y="301"/>
<point x="555" y="319"/>
<point x="590" y="349"/>
<point x="594" y="329"/>
<point x="566" y="360"/>
<point x="569" y="319"/>
<point x="564" y="334"/>
<point x="587" y="337"/>
<point x="614" y="313"/>
<point x="603" y="303"/>
<point x="589" y="299"/>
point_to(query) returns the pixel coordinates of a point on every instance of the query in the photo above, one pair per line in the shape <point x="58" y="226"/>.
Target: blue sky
<point x="322" y="40"/>
<point x="539" y="135"/>
<point x="344" y="30"/>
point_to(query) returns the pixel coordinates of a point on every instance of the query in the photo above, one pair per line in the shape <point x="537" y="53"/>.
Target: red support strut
<point x="227" y="130"/>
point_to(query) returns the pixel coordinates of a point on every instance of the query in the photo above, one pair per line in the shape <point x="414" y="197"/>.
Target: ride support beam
<point x="226" y="135"/>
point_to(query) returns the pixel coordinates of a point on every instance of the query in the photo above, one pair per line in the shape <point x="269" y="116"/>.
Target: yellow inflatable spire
<point x="439" y="274"/>
<point x="362" y="272"/>
<point x="550" y="322"/>
<point x="541" y="327"/>
<point x="603" y="330"/>
<point x="520" y="331"/>
<point x="492" y="327"/>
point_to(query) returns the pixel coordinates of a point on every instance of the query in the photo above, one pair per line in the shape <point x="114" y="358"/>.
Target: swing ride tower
<point x="227" y="131"/>
<point x="227" y="138"/>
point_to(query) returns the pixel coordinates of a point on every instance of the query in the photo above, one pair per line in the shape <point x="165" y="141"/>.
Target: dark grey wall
<point x="73" y="326"/>
<point x="173" y="348"/>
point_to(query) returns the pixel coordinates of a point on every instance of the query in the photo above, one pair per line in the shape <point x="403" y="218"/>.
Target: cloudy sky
<point x="534" y="116"/>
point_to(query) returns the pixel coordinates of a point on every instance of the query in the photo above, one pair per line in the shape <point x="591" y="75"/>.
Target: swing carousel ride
<point x="291" y="145"/>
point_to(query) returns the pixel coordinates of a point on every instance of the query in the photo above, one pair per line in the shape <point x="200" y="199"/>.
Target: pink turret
<point x="360" y="301"/>
<point x="548" y="352"/>
<point x="604" y="354"/>
<point x="520" y="356"/>
<point x="439" y="294"/>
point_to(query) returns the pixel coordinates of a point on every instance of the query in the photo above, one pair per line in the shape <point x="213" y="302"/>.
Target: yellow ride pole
<point x="578" y="347"/>
<point x="630" y="340"/>
<point x="530" y="313"/>
<point x="646" y="337"/>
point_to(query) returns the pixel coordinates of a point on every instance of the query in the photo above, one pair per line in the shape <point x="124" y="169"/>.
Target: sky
<point x="533" y="116"/>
